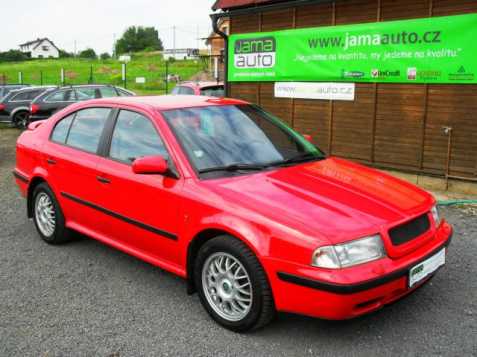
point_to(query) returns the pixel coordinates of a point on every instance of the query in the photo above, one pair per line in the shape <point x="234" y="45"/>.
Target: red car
<point x="255" y="217"/>
<point x="210" y="89"/>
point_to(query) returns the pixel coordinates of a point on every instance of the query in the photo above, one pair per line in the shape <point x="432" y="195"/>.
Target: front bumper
<point x="300" y="290"/>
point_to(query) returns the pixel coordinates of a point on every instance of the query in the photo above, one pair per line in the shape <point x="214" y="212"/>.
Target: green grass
<point x="77" y="71"/>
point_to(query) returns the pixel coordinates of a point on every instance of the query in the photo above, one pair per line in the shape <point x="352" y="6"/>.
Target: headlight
<point x="352" y="253"/>
<point x="435" y="215"/>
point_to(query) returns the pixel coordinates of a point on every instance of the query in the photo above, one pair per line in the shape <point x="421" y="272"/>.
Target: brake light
<point x="34" y="108"/>
<point x="2" y="106"/>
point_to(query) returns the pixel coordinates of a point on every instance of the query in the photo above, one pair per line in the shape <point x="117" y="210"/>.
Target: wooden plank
<point x="314" y="15"/>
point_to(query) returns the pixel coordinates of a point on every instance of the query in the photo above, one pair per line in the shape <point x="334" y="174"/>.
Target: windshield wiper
<point x="233" y="168"/>
<point x="305" y="157"/>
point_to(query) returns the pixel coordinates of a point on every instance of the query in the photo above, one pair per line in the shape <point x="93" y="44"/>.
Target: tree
<point x="88" y="53"/>
<point x="65" y="54"/>
<point x="137" y="39"/>
<point x="13" y="56"/>
<point x="105" y="56"/>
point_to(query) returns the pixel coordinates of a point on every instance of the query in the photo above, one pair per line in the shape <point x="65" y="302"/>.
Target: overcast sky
<point x="94" y="23"/>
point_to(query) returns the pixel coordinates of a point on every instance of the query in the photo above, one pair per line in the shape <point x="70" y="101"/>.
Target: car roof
<point x="33" y="88"/>
<point x="168" y="102"/>
<point x="202" y="84"/>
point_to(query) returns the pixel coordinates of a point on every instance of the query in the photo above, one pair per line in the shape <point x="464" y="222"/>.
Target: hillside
<point x="78" y="71"/>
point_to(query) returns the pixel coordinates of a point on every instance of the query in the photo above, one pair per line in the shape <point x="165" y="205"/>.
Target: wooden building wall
<point x="388" y="125"/>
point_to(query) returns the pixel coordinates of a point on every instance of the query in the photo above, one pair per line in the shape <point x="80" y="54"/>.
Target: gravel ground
<point x="85" y="299"/>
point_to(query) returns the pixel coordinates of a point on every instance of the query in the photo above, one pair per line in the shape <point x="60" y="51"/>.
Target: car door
<point x="56" y="101"/>
<point x="71" y="158"/>
<point x="143" y="209"/>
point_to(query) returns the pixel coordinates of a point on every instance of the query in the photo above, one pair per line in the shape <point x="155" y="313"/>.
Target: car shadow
<point x="374" y="323"/>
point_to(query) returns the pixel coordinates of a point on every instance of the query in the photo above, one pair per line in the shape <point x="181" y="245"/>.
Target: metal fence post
<point x="91" y="74"/>
<point x="20" y="77"/>
<point x="62" y="76"/>
<point x="167" y="76"/>
<point x="124" y="74"/>
<point x="41" y="78"/>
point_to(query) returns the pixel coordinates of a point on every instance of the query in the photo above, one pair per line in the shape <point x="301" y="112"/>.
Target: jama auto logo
<point x="255" y="52"/>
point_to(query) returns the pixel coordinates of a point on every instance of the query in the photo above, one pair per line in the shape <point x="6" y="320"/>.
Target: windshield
<point x="237" y="137"/>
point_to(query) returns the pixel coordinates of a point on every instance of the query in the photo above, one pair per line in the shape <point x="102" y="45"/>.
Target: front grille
<point x="410" y="230"/>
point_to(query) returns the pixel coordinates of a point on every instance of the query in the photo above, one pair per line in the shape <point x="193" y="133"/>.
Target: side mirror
<point x="308" y="138"/>
<point x="150" y="165"/>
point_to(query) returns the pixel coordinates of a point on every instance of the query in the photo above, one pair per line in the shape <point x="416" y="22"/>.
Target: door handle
<point x="103" y="179"/>
<point x="51" y="161"/>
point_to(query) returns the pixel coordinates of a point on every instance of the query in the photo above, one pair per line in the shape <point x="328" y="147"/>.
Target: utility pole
<point x="174" y="40"/>
<point x="198" y="37"/>
<point x="114" y="45"/>
<point x="75" y="49"/>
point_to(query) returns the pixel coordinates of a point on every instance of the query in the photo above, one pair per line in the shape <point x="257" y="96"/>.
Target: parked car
<point x="212" y="89"/>
<point x="49" y="103"/>
<point x="6" y="88"/>
<point x="15" y="106"/>
<point x="255" y="217"/>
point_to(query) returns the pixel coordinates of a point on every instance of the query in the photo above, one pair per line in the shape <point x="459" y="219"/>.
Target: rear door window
<point x="61" y="96"/>
<point x="86" y="129"/>
<point x="107" y="92"/>
<point x="87" y="93"/>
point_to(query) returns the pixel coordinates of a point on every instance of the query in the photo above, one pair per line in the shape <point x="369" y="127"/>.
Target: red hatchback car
<point x="255" y="218"/>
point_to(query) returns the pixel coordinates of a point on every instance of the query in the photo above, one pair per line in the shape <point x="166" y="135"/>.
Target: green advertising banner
<point x="430" y="50"/>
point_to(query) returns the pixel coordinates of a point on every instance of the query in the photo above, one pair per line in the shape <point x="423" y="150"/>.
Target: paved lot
<point x="85" y="299"/>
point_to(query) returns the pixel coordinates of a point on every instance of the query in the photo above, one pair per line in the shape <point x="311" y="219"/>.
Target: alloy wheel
<point x="227" y="286"/>
<point x="45" y="215"/>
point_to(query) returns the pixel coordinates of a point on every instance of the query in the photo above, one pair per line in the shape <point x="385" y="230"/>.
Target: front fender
<point x="251" y="234"/>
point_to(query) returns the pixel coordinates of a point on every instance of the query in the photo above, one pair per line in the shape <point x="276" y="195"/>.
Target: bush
<point x="13" y="56"/>
<point x="105" y="56"/>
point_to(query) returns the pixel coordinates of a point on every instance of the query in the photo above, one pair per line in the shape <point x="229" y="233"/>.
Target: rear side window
<point x="107" y="92"/>
<point x="175" y="90"/>
<point x="123" y="93"/>
<point x="21" y="97"/>
<point x="134" y="136"/>
<point x="186" y="90"/>
<point x="60" y="132"/>
<point x="87" y="128"/>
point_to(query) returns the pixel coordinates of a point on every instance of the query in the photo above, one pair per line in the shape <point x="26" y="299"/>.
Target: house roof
<point x="230" y="4"/>
<point x="32" y="42"/>
<point x="37" y="42"/>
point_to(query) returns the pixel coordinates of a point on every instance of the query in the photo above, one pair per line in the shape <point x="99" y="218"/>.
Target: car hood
<point x="333" y="198"/>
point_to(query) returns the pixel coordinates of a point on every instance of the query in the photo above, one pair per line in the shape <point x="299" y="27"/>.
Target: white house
<point x="41" y="48"/>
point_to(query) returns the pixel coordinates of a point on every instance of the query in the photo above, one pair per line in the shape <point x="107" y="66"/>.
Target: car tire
<point x="48" y="216"/>
<point x="223" y="268"/>
<point x="21" y="119"/>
